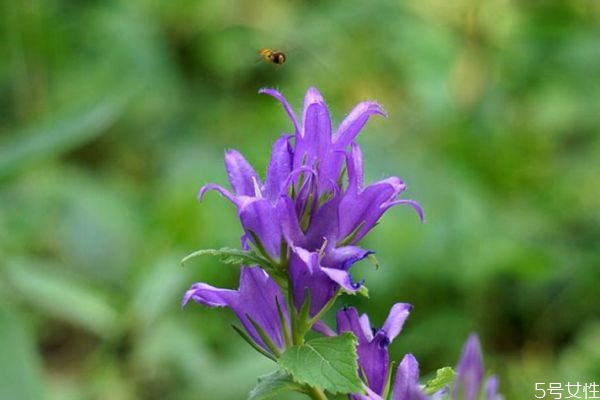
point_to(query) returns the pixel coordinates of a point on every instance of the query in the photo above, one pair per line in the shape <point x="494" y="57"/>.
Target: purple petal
<point x="290" y="225"/>
<point x="279" y="168"/>
<point x="491" y="388"/>
<point x="369" y="395"/>
<point x="348" y="321"/>
<point x="354" y="122"/>
<point x="367" y="207"/>
<point x="355" y="169"/>
<point x="263" y="218"/>
<point x="323" y="328"/>
<point x="366" y="326"/>
<point x="306" y="274"/>
<point x="395" y="320"/>
<point x="469" y="370"/>
<point x="315" y="137"/>
<point x="406" y="382"/>
<point x="324" y="224"/>
<point x="210" y="296"/>
<point x="286" y="106"/>
<point x="213" y="186"/>
<point x="241" y="175"/>
<point x="343" y="257"/>
<point x="258" y="299"/>
<point x="342" y="278"/>
<point x="373" y="359"/>
<point x="411" y="203"/>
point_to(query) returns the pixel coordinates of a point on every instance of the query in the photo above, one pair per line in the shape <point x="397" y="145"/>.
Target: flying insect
<point x="272" y="56"/>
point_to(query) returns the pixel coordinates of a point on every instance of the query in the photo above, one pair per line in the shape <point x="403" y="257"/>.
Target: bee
<point x="272" y="56"/>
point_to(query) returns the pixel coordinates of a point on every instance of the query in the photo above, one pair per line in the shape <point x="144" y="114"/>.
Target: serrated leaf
<point x="443" y="377"/>
<point x="328" y="363"/>
<point x="231" y="256"/>
<point x="272" y="385"/>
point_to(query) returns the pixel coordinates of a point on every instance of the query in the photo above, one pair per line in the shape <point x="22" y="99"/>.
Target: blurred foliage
<point x="114" y="113"/>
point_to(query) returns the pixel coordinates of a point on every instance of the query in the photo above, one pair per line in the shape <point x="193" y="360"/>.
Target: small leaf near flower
<point x="231" y="256"/>
<point x="273" y="385"/>
<point x="325" y="363"/>
<point x="444" y="377"/>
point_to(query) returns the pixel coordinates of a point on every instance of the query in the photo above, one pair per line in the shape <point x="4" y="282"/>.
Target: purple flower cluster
<point x="305" y="220"/>
<point x="374" y="364"/>
<point x="312" y="209"/>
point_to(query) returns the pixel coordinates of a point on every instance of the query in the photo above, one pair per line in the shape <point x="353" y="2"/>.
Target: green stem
<point x="316" y="394"/>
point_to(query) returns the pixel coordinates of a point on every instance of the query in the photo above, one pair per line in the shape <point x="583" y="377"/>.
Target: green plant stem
<point x="316" y="394"/>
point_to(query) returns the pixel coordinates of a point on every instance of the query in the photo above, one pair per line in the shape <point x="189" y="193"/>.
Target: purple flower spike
<point x="257" y="298"/>
<point x="491" y="389"/>
<point x="469" y="370"/>
<point x="373" y="357"/>
<point x="406" y="382"/>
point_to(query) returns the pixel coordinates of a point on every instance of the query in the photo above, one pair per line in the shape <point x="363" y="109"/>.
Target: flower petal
<point x="406" y="382"/>
<point x="469" y="370"/>
<point x="286" y="106"/>
<point x="279" y="168"/>
<point x="306" y="274"/>
<point x="373" y="358"/>
<point x="491" y="388"/>
<point x="213" y="186"/>
<point x="263" y="219"/>
<point x="354" y="122"/>
<point x="343" y="257"/>
<point x="210" y="296"/>
<point x="315" y="136"/>
<point x="323" y="328"/>
<point x="411" y="203"/>
<point x="348" y="321"/>
<point x="362" y="211"/>
<point x="342" y="278"/>
<point x="241" y="175"/>
<point x="395" y="320"/>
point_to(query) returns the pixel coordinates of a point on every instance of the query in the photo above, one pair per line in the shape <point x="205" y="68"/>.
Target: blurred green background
<point x="114" y="113"/>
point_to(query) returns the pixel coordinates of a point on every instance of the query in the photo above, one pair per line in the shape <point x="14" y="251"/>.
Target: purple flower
<point x="469" y="374"/>
<point x="468" y="384"/>
<point x="312" y="209"/>
<point x="258" y="304"/>
<point x="372" y="349"/>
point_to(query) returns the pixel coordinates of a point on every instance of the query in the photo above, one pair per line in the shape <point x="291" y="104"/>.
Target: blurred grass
<point x="113" y="114"/>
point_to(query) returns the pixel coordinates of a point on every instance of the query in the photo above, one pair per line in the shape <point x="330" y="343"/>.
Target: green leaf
<point x="444" y="377"/>
<point x="53" y="292"/>
<point x="273" y="385"/>
<point x="20" y="367"/>
<point x="327" y="363"/>
<point x="231" y="256"/>
<point x="60" y="136"/>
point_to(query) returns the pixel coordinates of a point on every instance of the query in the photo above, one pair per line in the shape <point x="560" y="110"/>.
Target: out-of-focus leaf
<point x="272" y="386"/>
<point x="20" y="376"/>
<point x="59" y="136"/>
<point x="43" y="286"/>
<point x="158" y="291"/>
<point x="443" y="377"/>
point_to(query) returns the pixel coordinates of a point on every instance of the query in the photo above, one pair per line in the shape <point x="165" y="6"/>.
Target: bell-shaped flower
<point x="259" y="305"/>
<point x="321" y="275"/>
<point x="372" y="349"/>
<point x="468" y="384"/>
<point x="258" y="205"/>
